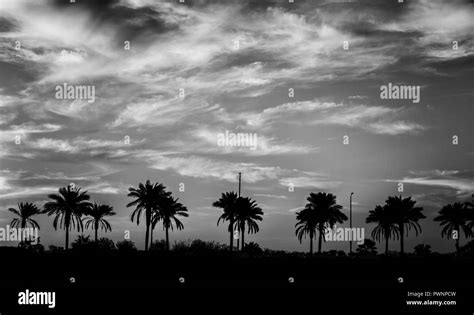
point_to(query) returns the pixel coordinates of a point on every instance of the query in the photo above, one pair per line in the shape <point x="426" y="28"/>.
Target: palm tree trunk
<point x="243" y="237"/>
<point x="96" y="231"/>
<point x="67" y="237"/>
<point x="320" y="240"/>
<point x="167" y="240"/>
<point x="23" y="226"/>
<point x="311" y="243"/>
<point x="402" y="248"/>
<point x="386" y="245"/>
<point x="457" y="243"/>
<point x="147" y="232"/>
<point x="231" y="229"/>
<point x="237" y="226"/>
<point x="66" y="225"/>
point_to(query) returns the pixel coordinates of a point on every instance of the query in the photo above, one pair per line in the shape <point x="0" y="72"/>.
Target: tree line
<point x="72" y="209"/>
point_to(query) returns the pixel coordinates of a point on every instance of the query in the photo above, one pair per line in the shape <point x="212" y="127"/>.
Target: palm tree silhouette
<point x="170" y="208"/>
<point x="227" y="202"/>
<point x="248" y="213"/>
<point x="68" y="206"/>
<point x="454" y="217"/>
<point x="306" y="224"/>
<point x="155" y="218"/>
<point x="386" y="228"/>
<point x="146" y="200"/>
<point x="320" y="213"/>
<point x="97" y="219"/>
<point x="25" y="212"/>
<point x="405" y="215"/>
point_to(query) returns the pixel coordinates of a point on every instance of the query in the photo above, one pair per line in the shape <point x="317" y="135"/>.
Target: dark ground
<point x="225" y="283"/>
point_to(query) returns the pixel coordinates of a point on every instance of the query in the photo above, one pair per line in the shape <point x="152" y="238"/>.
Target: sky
<point x="305" y="77"/>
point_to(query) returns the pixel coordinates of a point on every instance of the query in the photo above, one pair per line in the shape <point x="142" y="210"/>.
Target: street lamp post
<point x="350" y="222"/>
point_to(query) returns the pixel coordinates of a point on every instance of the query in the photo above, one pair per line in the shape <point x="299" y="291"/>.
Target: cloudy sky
<point x="172" y="76"/>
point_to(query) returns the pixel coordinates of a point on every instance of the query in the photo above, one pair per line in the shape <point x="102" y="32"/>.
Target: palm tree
<point x="170" y="208"/>
<point x="155" y="218"/>
<point x="386" y="227"/>
<point x="96" y="219"/>
<point x="454" y="217"/>
<point x="25" y="212"/>
<point x="306" y="224"/>
<point x="248" y="213"/>
<point x="227" y="202"/>
<point x="405" y="215"/>
<point x="146" y="200"/>
<point x="68" y="206"/>
<point x="320" y="213"/>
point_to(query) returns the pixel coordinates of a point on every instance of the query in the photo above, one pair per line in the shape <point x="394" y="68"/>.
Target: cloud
<point x="459" y="181"/>
<point x="374" y="119"/>
<point x="25" y="130"/>
<point x="79" y="146"/>
<point x="434" y="172"/>
<point x="10" y="190"/>
<point x="309" y="180"/>
<point x="394" y="128"/>
<point x="207" y="141"/>
<point x="28" y="192"/>
<point x="271" y="196"/>
<point x="201" y="167"/>
<point x="107" y="188"/>
<point x="463" y="186"/>
<point x="24" y="184"/>
<point x="285" y="111"/>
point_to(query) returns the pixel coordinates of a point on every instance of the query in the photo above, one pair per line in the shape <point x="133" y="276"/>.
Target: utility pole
<point x="350" y="222"/>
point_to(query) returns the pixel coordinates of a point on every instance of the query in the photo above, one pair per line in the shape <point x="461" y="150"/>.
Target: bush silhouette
<point x="126" y="246"/>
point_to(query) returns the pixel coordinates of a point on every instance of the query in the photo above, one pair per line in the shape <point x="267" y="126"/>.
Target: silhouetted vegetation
<point x="68" y="207"/>
<point x="96" y="219"/>
<point x="126" y="246"/>
<point x="320" y="213"/>
<point x="455" y="218"/>
<point x="394" y="220"/>
<point x="25" y="213"/>
<point x="386" y="228"/>
<point x="422" y="250"/>
<point x="367" y="249"/>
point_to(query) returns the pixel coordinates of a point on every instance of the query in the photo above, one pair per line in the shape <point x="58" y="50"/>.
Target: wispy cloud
<point x="459" y="181"/>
